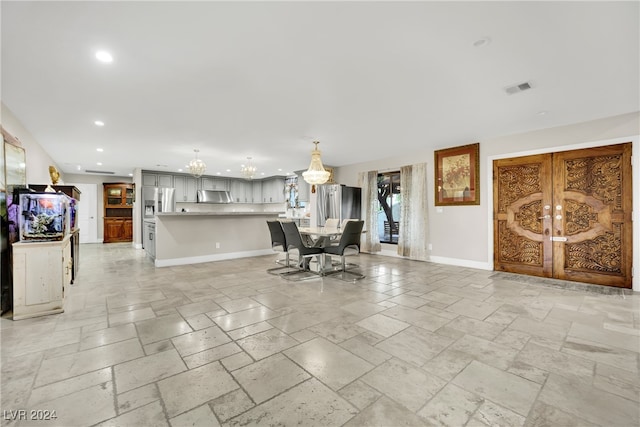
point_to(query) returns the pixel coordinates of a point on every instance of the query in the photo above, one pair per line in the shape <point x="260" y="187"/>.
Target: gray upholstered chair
<point x="349" y="245"/>
<point x="295" y="246"/>
<point x="278" y="244"/>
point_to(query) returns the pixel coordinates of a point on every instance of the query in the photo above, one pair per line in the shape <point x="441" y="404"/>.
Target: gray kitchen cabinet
<point x="211" y="183"/>
<point x="186" y="188"/>
<point x="304" y="190"/>
<point x="256" y="192"/>
<point x="149" y="239"/>
<point x="273" y="190"/>
<point x="241" y="191"/>
<point x="157" y="179"/>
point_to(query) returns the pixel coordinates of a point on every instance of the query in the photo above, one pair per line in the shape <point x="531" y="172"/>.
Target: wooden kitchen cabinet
<point x="41" y="273"/>
<point x="118" y="212"/>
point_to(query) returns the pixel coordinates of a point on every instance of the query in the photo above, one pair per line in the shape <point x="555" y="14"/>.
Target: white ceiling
<point x="264" y="79"/>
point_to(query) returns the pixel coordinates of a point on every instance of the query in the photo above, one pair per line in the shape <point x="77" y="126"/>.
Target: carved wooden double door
<point x="565" y="215"/>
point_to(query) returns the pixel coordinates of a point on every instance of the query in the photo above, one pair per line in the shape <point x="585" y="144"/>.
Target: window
<point x="389" y="203"/>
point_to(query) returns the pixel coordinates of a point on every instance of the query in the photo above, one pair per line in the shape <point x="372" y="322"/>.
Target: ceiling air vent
<point x="100" y="172"/>
<point x="518" y="88"/>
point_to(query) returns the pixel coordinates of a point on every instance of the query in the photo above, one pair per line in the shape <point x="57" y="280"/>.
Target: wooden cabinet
<point x="118" y="212"/>
<point x="41" y="273"/>
<point x="152" y="179"/>
<point x="69" y="190"/>
<point x="186" y="188"/>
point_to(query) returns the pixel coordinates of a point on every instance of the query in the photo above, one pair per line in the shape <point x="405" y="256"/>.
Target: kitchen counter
<point x="162" y="214"/>
<point x="196" y="237"/>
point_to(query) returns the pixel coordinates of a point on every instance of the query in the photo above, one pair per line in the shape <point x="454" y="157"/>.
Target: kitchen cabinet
<point x="211" y="183"/>
<point x="241" y="191"/>
<point x="118" y="212"/>
<point x="186" y="188"/>
<point x="256" y="190"/>
<point x="273" y="190"/>
<point x="41" y="273"/>
<point x="149" y="239"/>
<point x="157" y="179"/>
<point x="304" y="190"/>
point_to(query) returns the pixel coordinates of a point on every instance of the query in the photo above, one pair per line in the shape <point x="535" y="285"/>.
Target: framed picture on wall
<point x="457" y="173"/>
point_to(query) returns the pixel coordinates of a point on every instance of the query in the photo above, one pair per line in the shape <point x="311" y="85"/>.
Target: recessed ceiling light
<point x="228" y="170"/>
<point x="288" y="173"/>
<point x="541" y="113"/>
<point x="98" y="123"/>
<point x="482" y="42"/>
<point x="262" y="173"/>
<point x="179" y="170"/>
<point x="99" y="163"/>
<point x="218" y="173"/>
<point x="104" y="56"/>
<point x="99" y="150"/>
<point x="130" y="174"/>
<point x="79" y="167"/>
<point x="279" y="170"/>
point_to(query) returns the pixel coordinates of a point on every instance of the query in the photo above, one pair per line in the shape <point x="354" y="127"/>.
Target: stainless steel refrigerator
<point x="338" y="201"/>
<point x="156" y="200"/>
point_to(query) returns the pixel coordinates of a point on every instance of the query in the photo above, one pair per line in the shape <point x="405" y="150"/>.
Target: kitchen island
<point x="196" y="237"/>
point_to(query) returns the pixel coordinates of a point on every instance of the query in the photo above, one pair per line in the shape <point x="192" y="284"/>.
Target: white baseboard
<point x="212" y="257"/>
<point x="461" y="262"/>
<point x="136" y="245"/>
<point x="442" y="260"/>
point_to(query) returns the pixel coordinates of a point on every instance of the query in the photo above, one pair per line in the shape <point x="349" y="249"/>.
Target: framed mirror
<point x="15" y="166"/>
<point x="15" y="176"/>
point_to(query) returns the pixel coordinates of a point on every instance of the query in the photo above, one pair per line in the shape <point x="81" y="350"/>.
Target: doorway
<point x="565" y="215"/>
<point x="88" y="213"/>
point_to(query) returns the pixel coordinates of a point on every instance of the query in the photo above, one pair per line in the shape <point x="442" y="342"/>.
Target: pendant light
<point x="248" y="170"/>
<point x="196" y="166"/>
<point x="316" y="174"/>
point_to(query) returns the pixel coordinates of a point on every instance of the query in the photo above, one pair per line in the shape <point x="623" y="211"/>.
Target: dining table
<point x="319" y="237"/>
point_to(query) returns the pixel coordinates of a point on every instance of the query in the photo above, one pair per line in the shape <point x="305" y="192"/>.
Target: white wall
<point x="38" y="160"/>
<point x="98" y="180"/>
<point x="460" y="235"/>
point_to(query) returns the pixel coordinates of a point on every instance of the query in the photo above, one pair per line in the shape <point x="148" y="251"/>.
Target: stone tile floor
<point x="414" y="343"/>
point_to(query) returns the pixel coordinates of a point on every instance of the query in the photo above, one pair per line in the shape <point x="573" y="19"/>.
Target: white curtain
<point x="368" y="181"/>
<point x="413" y="239"/>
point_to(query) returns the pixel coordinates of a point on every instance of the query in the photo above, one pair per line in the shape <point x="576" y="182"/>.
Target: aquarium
<point x="43" y="216"/>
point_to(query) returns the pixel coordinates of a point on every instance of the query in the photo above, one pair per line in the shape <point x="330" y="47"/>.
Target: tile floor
<point x="412" y="344"/>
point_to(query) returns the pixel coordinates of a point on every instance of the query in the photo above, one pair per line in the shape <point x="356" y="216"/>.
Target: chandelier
<point x="196" y="166"/>
<point x="316" y="174"/>
<point x="248" y="170"/>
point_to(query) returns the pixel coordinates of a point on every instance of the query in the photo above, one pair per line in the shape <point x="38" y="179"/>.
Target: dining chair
<point x="349" y="245"/>
<point x="304" y="252"/>
<point x="332" y="223"/>
<point x="346" y="220"/>
<point x="278" y="244"/>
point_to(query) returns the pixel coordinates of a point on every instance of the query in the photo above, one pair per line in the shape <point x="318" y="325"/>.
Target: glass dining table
<point x="319" y="237"/>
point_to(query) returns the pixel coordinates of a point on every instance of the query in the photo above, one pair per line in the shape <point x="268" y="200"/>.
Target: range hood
<point x="214" y="196"/>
